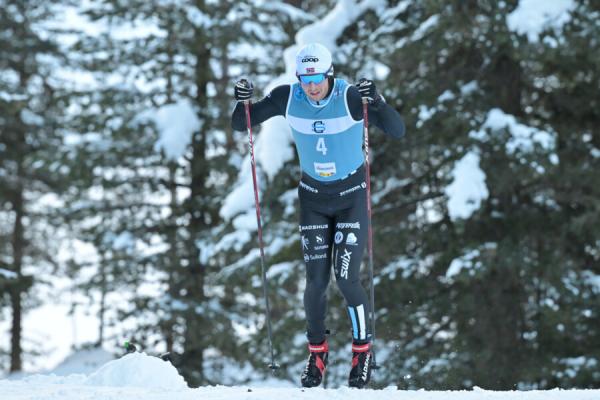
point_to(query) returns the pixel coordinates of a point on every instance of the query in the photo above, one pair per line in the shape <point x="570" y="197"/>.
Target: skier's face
<point x="316" y="91"/>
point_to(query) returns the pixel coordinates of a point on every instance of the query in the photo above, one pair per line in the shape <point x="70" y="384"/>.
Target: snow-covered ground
<point x="139" y="376"/>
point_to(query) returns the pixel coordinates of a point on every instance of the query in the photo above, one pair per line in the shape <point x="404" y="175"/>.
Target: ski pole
<point x="273" y="364"/>
<point x="369" y="227"/>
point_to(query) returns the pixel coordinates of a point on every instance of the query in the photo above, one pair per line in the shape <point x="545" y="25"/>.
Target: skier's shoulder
<point x="353" y="96"/>
<point x="340" y="89"/>
<point x="341" y="84"/>
<point x="354" y="101"/>
<point x="350" y="92"/>
<point x="280" y="94"/>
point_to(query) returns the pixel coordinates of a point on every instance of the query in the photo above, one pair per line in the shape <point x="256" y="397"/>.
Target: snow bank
<point x="138" y="370"/>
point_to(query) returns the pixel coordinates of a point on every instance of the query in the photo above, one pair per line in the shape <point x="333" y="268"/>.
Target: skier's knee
<point x="316" y="286"/>
<point x="348" y="286"/>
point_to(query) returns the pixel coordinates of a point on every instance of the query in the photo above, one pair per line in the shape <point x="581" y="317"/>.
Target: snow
<point x="272" y="247"/>
<point x="274" y="148"/>
<point x="246" y="221"/>
<point x="394" y="12"/>
<point x="30" y="118"/>
<point x="469" y="88"/>
<point x="425" y="27"/>
<point x="288" y="199"/>
<point x="446" y="96"/>
<point x="331" y="26"/>
<point x="199" y="18"/>
<point x="138" y="370"/>
<point x="523" y="137"/>
<point x="280" y="271"/>
<point x="465" y="262"/>
<point x="468" y="188"/>
<point x="53" y="327"/>
<point x="7" y="274"/>
<point x="592" y="280"/>
<point x="532" y="16"/>
<point x="401" y="264"/>
<point x="425" y="114"/>
<point x="381" y="71"/>
<point x="241" y="197"/>
<point x="83" y="362"/>
<point x="176" y="123"/>
<point x="122" y="241"/>
<point x="140" y="376"/>
<point x="468" y="261"/>
<point x="390" y="185"/>
<point x="292" y="12"/>
<point x="72" y="18"/>
<point x="233" y="240"/>
<point x="420" y="32"/>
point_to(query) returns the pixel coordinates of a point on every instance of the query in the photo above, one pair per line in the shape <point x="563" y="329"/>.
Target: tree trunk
<point x="197" y="330"/>
<point x="15" y="297"/>
<point x="102" y="311"/>
<point x="173" y="257"/>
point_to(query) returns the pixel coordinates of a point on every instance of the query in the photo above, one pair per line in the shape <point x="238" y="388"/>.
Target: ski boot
<point x="315" y="367"/>
<point x="360" y="374"/>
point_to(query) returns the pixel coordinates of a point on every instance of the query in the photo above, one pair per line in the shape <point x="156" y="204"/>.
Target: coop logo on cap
<point x="313" y="58"/>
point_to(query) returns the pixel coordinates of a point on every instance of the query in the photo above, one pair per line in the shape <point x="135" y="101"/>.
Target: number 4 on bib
<point x="321" y="146"/>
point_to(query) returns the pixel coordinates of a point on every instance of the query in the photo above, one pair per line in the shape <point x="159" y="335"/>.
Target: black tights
<point x="333" y="228"/>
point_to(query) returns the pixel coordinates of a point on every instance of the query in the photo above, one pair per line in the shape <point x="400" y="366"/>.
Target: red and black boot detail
<point x="315" y="367"/>
<point x="360" y="374"/>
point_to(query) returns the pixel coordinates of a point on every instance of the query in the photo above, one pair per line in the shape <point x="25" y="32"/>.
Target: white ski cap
<point x="314" y="58"/>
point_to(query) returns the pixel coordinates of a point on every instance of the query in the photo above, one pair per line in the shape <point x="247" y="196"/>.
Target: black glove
<point x="243" y="90"/>
<point x="367" y="90"/>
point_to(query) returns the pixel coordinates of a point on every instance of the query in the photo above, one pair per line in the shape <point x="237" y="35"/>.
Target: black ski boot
<point x="360" y="374"/>
<point x="315" y="367"/>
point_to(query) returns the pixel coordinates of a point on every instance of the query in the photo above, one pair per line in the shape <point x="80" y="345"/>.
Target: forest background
<point x="126" y="200"/>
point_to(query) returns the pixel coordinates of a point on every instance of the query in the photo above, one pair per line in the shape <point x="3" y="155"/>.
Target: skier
<point x="325" y="115"/>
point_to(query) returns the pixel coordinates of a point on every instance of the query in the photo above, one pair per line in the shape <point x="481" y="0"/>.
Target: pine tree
<point x="563" y="98"/>
<point x="465" y="64"/>
<point x="456" y="66"/>
<point x="30" y="164"/>
<point x="185" y="62"/>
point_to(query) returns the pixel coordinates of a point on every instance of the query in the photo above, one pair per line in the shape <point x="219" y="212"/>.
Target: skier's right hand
<point x="367" y="89"/>
<point x="243" y="90"/>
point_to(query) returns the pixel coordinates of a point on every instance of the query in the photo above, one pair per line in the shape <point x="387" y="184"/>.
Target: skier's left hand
<point x="367" y="89"/>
